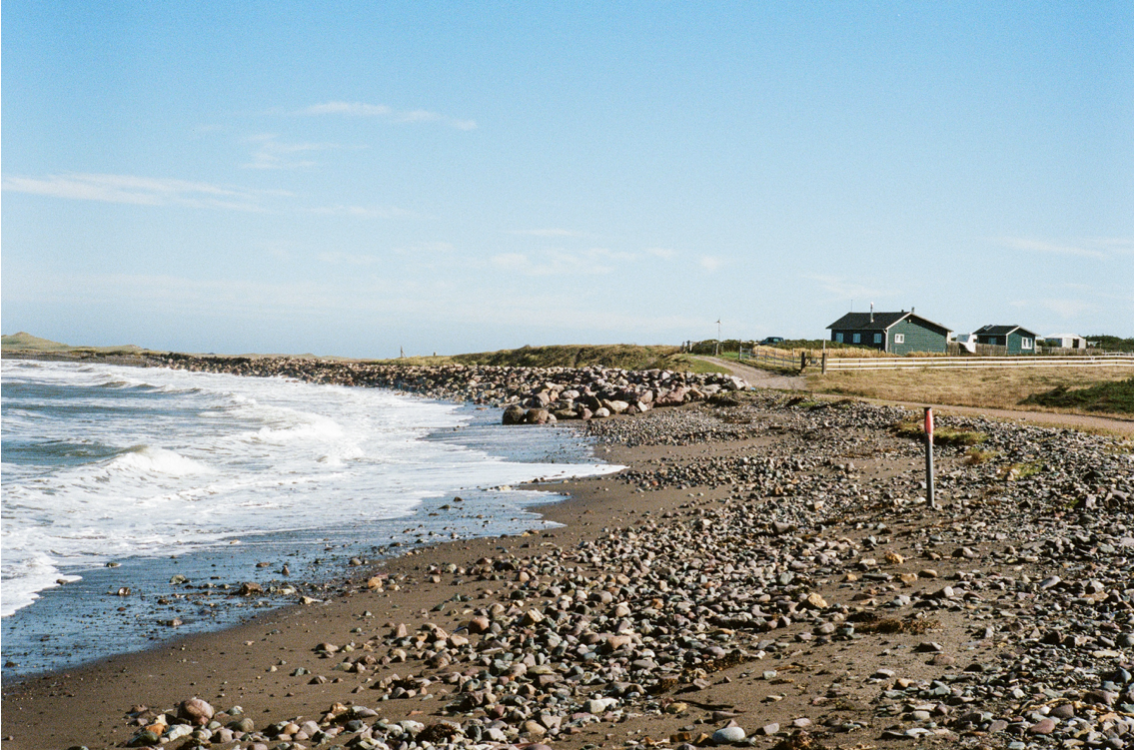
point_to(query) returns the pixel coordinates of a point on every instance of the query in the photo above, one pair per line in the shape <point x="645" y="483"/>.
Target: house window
<point x="857" y="338"/>
<point x="1025" y="343"/>
<point x="898" y="338"/>
<point x="877" y="338"/>
<point x="839" y="337"/>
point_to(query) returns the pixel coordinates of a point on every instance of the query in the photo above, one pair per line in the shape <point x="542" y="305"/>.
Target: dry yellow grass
<point x="994" y="388"/>
<point x="858" y="351"/>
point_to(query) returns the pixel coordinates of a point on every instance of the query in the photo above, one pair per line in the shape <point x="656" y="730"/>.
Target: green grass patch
<point x="1115" y="397"/>
<point x="1012" y="472"/>
<point x="941" y="435"/>
<point x="688" y="363"/>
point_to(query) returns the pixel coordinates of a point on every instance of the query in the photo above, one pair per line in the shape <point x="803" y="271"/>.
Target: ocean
<point x="117" y="480"/>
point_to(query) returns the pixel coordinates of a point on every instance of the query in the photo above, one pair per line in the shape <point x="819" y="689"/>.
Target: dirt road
<point x="759" y="377"/>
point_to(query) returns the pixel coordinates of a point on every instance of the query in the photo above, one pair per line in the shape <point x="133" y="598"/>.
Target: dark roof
<point x="881" y="321"/>
<point x="994" y="330"/>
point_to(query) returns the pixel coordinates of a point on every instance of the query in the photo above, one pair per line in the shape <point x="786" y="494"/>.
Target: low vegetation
<point x="624" y="356"/>
<point x="941" y="435"/>
<point x="977" y="456"/>
<point x="1012" y="472"/>
<point x="1114" y="397"/>
<point x="27" y="343"/>
<point x="1107" y="343"/>
<point x="987" y="388"/>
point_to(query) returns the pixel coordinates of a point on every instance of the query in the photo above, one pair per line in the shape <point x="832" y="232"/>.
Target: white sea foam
<point x="197" y="459"/>
<point x="147" y="459"/>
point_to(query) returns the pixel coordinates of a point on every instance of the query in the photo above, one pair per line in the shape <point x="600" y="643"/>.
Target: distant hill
<point x="26" y="342"/>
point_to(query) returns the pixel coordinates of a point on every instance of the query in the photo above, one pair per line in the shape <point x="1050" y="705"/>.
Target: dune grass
<point x="27" y="343"/>
<point x="941" y="435"/>
<point x="1112" y="397"/>
<point x="623" y="356"/>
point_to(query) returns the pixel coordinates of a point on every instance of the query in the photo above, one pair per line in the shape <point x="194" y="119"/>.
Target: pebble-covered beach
<point x="766" y="573"/>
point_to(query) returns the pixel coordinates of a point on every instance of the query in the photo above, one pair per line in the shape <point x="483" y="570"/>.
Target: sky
<point x="358" y="179"/>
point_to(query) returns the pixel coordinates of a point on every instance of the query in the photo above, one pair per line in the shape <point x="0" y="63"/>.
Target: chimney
<point x="913" y="310"/>
<point x="870" y="312"/>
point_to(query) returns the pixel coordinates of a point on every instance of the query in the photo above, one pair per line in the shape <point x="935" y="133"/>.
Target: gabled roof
<point x="994" y="330"/>
<point x="882" y="321"/>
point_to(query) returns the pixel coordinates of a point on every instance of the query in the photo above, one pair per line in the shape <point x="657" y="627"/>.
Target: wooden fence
<point x="830" y="364"/>
<point x="788" y="361"/>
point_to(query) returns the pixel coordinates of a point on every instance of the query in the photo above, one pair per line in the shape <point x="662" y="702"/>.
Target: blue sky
<point x="352" y="178"/>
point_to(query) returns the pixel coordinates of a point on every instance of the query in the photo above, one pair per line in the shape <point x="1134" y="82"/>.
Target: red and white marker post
<point x="930" y="490"/>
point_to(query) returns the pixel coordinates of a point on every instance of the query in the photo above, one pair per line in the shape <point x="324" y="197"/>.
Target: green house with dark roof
<point x="1017" y="339"/>
<point x="892" y="332"/>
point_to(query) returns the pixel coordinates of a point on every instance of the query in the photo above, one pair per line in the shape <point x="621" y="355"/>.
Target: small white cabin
<point x="1066" y="341"/>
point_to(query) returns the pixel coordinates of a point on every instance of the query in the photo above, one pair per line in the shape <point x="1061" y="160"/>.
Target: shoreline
<point x="187" y="587"/>
<point x="726" y="576"/>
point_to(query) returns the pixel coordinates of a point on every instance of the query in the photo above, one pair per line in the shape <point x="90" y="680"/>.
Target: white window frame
<point x="838" y="337"/>
<point x="857" y="338"/>
<point x="898" y="338"/>
<point x="1026" y="343"/>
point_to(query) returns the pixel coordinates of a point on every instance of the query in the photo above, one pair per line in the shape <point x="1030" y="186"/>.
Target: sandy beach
<point x="765" y="572"/>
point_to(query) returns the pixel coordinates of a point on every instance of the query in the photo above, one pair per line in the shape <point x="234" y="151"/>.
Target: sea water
<point x="120" y="478"/>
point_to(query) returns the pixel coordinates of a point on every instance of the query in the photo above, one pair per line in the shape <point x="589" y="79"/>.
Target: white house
<point x="1066" y="341"/>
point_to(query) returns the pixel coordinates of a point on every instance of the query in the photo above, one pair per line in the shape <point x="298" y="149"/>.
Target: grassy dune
<point x="26" y="342"/>
<point x="624" y="356"/>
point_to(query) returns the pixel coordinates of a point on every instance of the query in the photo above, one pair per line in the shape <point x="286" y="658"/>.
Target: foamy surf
<point x="172" y="462"/>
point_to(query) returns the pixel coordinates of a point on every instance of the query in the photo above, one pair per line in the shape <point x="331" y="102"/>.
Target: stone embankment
<point x="530" y="395"/>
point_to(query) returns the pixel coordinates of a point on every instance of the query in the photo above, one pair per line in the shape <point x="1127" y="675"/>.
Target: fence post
<point x="803" y="369"/>
<point x="823" y="361"/>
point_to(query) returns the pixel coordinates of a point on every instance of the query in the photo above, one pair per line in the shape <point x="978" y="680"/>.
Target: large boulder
<point x="514" y="414"/>
<point x="539" y="416"/>
<point x="616" y="406"/>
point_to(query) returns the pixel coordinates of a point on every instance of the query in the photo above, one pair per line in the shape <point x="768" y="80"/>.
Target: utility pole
<point x="718" y="335"/>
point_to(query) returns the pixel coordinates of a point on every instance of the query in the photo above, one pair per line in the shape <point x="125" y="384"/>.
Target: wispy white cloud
<point x="660" y="252"/>
<point x="1064" y="308"/>
<point x="594" y="261"/>
<point x="352" y="109"/>
<point x="1098" y="248"/>
<point x="710" y="263"/>
<point x="365" y="212"/>
<point x="382" y="111"/>
<point x="347" y="259"/>
<point x="140" y="191"/>
<point x="548" y="232"/>
<point x="271" y="153"/>
<point x="839" y="287"/>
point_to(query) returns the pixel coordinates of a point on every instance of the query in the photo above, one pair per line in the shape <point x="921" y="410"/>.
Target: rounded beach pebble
<point x="728" y="735"/>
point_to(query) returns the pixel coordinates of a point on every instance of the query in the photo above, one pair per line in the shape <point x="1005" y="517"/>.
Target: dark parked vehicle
<point x="771" y="341"/>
